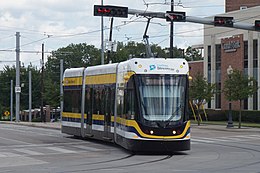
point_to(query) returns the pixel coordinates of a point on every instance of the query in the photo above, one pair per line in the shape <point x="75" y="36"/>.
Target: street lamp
<point x="230" y="122"/>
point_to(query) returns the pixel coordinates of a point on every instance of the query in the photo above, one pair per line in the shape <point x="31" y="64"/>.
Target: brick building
<point x="240" y="49"/>
<point x="233" y="5"/>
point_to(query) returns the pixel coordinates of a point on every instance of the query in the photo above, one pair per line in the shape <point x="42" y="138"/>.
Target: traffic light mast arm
<point x="206" y="21"/>
<point x="147" y="13"/>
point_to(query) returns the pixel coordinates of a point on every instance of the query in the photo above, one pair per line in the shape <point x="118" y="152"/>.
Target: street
<point x="31" y="149"/>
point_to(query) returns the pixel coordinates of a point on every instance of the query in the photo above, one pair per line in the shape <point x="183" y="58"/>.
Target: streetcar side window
<point x="72" y="101"/>
<point x="130" y="100"/>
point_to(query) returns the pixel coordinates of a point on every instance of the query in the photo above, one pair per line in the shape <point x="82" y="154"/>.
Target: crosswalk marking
<point x="8" y="154"/>
<point x="87" y="148"/>
<point x="226" y="139"/>
<point x="29" y="152"/>
<point x="61" y="150"/>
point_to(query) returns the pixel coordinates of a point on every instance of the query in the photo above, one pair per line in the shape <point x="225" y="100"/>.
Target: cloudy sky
<point x="57" y="23"/>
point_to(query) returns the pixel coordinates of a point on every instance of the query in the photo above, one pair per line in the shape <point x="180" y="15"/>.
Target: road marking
<point x="14" y="140"/>
<point x="61" y="150"/>
<point x="29" y="152"/>
<point x="19" y="161"/>
<point x="8" y="154"/>
<point x="227" y="139"/>
<point x="43" y="145"/>
<point x="87" y="148"/>
<point x="198" y="140"/>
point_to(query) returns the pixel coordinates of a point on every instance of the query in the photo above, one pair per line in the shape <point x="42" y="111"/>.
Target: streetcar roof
<point x="73" y="72"/>
<point x="157" y="65"/>
<point x="101" y="69"/>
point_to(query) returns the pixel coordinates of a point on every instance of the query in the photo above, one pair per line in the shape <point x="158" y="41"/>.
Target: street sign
<point x="7" y="113"/>
<point x="111" y="11"/>
<point x="17" y="89"/>
<point x="175" y="16"/>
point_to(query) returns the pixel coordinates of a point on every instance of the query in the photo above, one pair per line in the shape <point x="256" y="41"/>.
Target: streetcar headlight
<point x="174" y="132"/>
<point x="151" y="132"/>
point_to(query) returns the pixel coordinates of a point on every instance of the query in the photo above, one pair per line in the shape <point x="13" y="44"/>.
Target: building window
<point x="209" y="64"/>
<point x="246" y="54"/>
<point x="218" y="52"/>
<point x="255" y="71"/>
<point x="246" y="68"/>
<point x="218" y="96"/>
<point x="218" y="75"/>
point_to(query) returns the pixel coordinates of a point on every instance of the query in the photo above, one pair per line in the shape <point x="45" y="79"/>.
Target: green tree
<point x="201" y="91"/>
<point x="74" y="55"/>
<point x="8" y="74"/>
<point x="238" y="87"/>
<point x="192" y="54"/>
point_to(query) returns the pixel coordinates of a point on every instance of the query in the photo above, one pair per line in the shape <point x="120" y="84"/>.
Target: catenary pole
<point x="11" y="100"/>
<point x="42" y="85"/>
<point x="30" y="96"/>
<point x="17" y="85"/>
<point x="61" y="88"/>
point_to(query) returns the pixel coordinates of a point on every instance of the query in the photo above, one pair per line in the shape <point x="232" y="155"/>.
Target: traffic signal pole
<point x="171" y="31"/>
<point x="206" y="21"/>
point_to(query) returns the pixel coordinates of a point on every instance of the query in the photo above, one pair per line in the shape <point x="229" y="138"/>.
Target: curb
<point x="38" y="125"/>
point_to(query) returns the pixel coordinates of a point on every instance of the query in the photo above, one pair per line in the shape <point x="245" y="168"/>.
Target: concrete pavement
<point x="49" y="125"/>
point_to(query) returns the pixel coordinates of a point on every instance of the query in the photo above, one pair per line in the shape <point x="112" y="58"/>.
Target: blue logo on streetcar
<point x="152" y="67"/>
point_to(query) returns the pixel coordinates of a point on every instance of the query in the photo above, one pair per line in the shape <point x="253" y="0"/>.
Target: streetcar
<point x="140" y="104"/>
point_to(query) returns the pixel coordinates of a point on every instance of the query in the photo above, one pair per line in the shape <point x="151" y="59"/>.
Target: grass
<point x="224" y="123"/>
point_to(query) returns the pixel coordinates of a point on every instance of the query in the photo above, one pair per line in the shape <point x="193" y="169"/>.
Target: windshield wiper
<point x="144" y="107"/>
<point x="173" y="115"/>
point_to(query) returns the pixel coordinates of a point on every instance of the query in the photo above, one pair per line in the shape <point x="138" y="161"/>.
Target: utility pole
<point x="11" y="102"/>
<point x="17" y="85"/>
<point x="42" y="86"/>
<point x="30" y="96"/>
<point x="61" y="88"/>
<point x="110" y="41"/>
<point x="102" y="36"/>
<point x="171" y="31"/>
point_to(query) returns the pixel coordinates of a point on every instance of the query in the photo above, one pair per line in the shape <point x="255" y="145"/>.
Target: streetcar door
<point x="89" y="111"/>
<point x="107" y="113"/>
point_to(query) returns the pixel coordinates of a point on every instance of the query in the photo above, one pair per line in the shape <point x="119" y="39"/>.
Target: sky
<point x="58" y="23"/>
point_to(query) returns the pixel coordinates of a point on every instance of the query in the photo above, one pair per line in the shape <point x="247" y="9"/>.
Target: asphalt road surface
<point x="37" y="150"/>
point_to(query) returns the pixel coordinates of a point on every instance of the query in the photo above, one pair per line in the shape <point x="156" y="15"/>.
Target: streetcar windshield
<point x="162" y="97"/>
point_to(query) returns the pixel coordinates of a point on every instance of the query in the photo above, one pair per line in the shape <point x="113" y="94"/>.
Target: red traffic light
<point x="112" y="11"/>
<point x="257" y="25"/>
<point x="175" y="16"/>
<point x="223" y="21"/>
<point x="103" y="10"/>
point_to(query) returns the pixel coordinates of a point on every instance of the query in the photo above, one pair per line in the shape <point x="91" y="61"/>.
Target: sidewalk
<point x="49" y="125"/>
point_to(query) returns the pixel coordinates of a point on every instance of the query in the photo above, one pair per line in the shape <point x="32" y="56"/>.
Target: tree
<point x="74" y="55"/>
<point x="239" y="87"/>
<point x="8" y="74"/>
<point x="192" y="54"/>
<point x="201" y="91"/>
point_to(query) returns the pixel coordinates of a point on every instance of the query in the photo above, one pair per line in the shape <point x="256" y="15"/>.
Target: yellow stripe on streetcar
<point x="130" y="123"/>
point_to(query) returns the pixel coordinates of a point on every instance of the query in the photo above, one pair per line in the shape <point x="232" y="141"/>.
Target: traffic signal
<point x="112" y="11"/>
<point x="175" y="16"/>
<point x="257" y="25"/>
<point x="223" y="21"/>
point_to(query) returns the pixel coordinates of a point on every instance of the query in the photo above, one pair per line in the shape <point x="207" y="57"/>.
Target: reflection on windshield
<point x="162" y="97"/>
